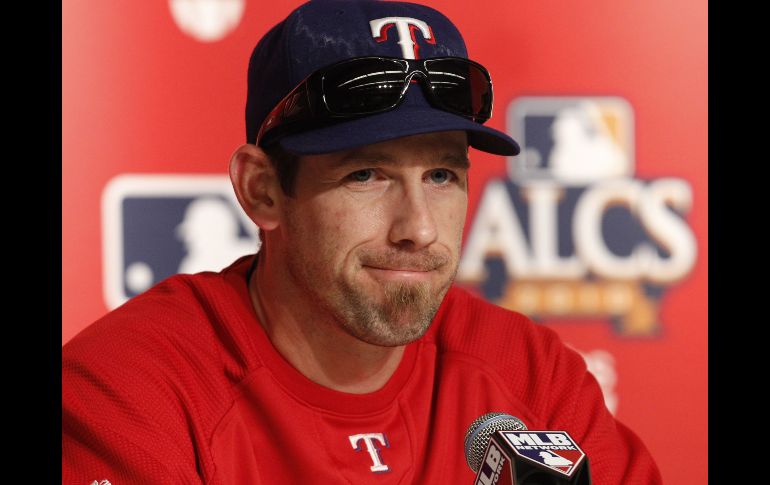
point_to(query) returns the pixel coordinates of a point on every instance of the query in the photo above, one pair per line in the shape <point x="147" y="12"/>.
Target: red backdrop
<point x="144" y="94"/>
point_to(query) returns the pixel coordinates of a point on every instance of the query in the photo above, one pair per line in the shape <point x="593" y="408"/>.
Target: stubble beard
<point x="403" y="315"/>
<point x="398" y="314"/>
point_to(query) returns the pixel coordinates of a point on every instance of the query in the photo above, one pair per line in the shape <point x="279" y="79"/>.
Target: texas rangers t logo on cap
<point x="405" y="26"/>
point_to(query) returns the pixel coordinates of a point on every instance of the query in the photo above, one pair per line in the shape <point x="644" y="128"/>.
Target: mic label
<point x="552" y="449"/>
<point x="493" y="469"/>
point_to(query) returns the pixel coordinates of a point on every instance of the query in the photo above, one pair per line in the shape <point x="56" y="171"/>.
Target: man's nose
<point x="413" y="226"/>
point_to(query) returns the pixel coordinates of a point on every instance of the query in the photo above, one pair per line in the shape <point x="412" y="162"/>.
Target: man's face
<point x="372" y="236"/>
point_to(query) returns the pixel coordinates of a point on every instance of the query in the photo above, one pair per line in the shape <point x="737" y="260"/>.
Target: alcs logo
<point x="570" y="232"/>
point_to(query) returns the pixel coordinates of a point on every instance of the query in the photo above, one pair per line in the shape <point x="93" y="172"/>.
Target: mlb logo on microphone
<point x="552" y="449"/>
<point x="155" y="226"/>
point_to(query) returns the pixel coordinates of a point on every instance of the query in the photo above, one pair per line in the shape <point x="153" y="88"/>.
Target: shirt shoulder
<point x="472" y="325"/>
<point x="154" y="376"/>
<point x="201" y="316"/>
<point x="530" y="359"/>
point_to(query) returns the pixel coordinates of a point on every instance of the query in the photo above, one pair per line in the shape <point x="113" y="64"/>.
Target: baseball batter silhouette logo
<point x="155" y="226"/>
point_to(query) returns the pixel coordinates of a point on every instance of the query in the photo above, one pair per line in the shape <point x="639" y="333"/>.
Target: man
<point x="340" y="353"/>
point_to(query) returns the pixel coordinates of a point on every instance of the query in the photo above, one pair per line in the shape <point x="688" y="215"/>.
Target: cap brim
<point x="413" y="117"/>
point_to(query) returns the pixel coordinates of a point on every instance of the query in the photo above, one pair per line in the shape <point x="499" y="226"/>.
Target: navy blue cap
<point x="322" y="32"/>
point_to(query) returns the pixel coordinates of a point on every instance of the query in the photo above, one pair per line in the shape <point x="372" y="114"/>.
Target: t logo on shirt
<point x="374" y="452"/>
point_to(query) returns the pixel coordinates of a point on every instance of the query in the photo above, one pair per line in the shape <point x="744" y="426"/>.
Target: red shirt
<point x="180" y="385"/>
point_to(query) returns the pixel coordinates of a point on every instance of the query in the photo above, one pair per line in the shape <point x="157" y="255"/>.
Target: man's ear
<point x="256" y="185"/>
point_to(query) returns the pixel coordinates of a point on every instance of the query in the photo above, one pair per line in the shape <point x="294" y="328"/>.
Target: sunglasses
<point x="368" y="85"/>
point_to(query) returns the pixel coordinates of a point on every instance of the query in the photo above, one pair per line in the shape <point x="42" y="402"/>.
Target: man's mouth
<point x="412" y="273"/>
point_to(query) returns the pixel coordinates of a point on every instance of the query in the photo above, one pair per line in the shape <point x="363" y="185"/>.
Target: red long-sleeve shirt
<point x="181" y="385"/>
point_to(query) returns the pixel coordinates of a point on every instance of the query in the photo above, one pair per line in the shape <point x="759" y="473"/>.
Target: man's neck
<point x="316" y="345"/>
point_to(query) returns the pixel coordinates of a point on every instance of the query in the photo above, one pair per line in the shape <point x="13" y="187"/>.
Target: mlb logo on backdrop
<point x="155" y="226"/>
<point x="573" y="141"/>
<point x="570" y="232"/>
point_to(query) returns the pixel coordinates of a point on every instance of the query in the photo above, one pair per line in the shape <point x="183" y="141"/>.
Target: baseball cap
<point x="323" y="32"/>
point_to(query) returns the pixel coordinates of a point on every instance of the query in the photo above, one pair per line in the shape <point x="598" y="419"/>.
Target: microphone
<point x="502" y="451"/>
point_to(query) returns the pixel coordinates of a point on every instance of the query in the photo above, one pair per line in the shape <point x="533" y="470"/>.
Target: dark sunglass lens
<point x="363" y="86"/>
<point x="461" y="87"/>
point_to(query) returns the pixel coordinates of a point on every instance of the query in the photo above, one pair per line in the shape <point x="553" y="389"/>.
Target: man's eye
<point x="440" y="176"/>
<point x="361" y="175"/>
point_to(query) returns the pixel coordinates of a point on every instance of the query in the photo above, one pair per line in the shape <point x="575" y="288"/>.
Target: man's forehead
<point x="450" y="159"/>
